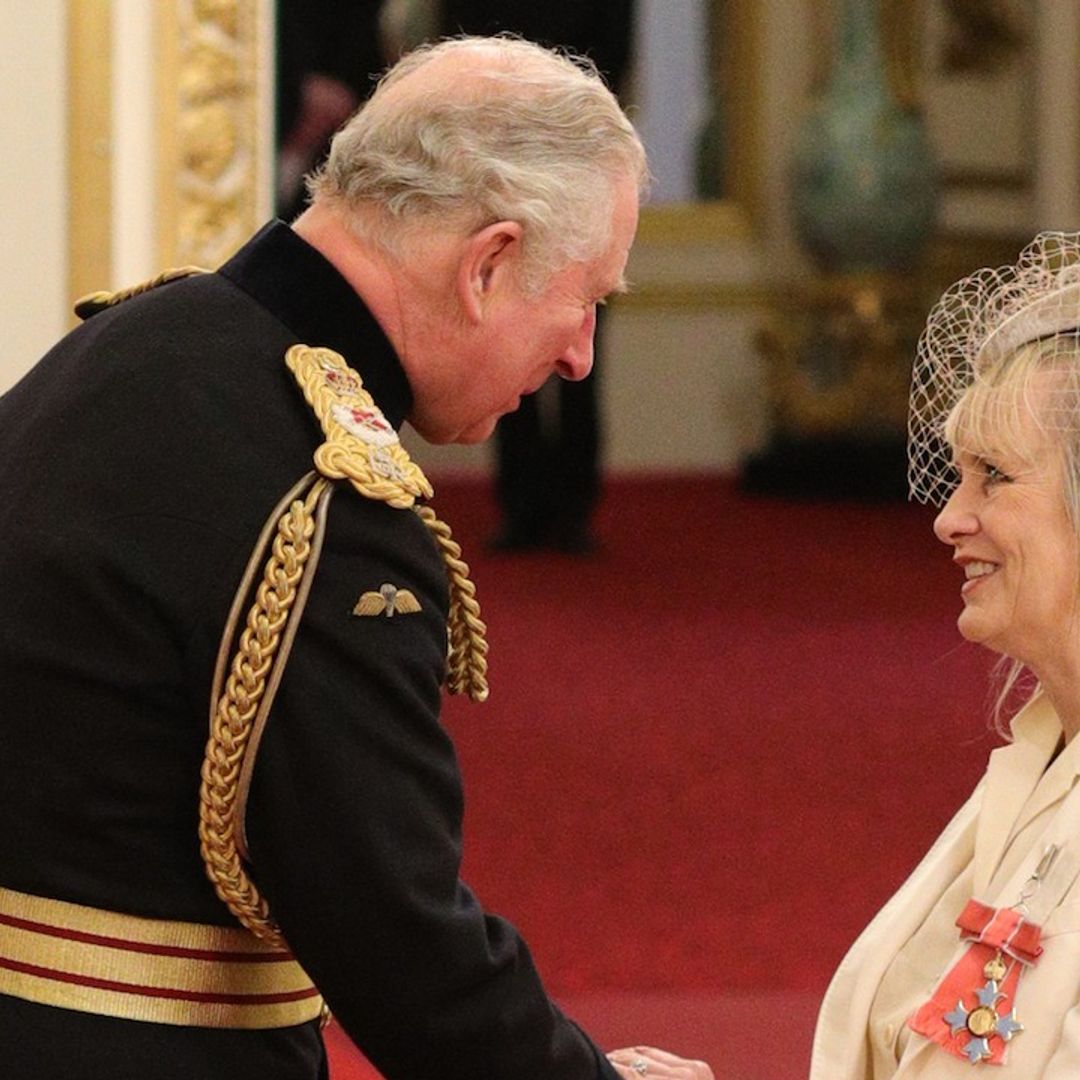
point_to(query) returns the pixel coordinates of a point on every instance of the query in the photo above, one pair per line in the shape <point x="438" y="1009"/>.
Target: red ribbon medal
<point x="972" y="1012"/>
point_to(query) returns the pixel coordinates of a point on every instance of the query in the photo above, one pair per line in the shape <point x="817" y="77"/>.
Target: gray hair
<point x="534" y="137"/>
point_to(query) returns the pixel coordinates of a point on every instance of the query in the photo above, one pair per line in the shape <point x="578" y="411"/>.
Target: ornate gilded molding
<point x="212" y="127"/>
<point x="735" y="50"/>
<point x="89" y="145"/>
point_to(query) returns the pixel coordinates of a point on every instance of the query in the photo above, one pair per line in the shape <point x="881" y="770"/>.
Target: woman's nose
<point x="957" y="519"/>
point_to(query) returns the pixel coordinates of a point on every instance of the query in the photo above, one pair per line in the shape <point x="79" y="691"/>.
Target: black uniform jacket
<point x="138" y="461"/>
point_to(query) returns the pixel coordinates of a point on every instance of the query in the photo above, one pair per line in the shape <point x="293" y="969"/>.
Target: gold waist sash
<point x="74" y="957"/>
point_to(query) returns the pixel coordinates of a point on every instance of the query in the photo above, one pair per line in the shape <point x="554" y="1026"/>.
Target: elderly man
<point x="169" y="545"/>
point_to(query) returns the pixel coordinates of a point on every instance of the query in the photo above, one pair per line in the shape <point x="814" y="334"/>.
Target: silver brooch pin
<point x="389" y="600"/>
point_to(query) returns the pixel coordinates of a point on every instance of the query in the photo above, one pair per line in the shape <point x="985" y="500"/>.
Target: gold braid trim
<point x="363" y="448"/>
<point x="94" y="302"/>
<point x="238" y="706"/>
<point x="467" y="660"/>
<point x="360" y="446"/>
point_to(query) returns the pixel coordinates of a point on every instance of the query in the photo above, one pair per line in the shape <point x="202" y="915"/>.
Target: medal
<point x="984" y="1021"/>
<point x="972" y="1014"/>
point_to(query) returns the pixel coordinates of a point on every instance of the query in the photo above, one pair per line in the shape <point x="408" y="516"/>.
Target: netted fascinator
<point x="972" y="337"/>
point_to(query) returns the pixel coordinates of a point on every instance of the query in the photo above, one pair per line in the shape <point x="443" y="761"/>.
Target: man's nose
<point x="577" y="361"/>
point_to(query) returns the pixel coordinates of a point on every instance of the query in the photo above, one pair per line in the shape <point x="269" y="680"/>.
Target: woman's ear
<point x="490" y="263"/>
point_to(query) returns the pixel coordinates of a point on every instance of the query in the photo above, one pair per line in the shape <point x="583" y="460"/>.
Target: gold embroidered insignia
<point x="361" y="446"/>
<point x="389" y="599"/>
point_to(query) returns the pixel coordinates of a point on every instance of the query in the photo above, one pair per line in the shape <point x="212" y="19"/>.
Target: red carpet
<point x="711" y="752"/>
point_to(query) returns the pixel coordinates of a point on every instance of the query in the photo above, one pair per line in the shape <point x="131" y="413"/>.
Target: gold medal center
<point x="982" y="1021"/>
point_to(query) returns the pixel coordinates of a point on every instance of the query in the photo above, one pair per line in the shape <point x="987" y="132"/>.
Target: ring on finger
<point x="640" y="1066"/>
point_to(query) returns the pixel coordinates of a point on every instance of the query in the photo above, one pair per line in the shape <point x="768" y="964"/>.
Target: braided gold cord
<point x="468" y="646"/>
<point x="330" y="385"/>
<point x="233" y="719"/>
<point x="338" y="462"/>
<point x="94" y="302"/>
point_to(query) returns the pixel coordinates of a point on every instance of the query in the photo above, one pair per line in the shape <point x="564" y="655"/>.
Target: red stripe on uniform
<point x="157" y="991"/>
<point x="219" y="956"/>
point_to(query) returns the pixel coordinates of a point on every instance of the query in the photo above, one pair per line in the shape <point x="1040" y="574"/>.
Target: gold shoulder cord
<point x="94" y="302"/>
<point x="363" y="449"/>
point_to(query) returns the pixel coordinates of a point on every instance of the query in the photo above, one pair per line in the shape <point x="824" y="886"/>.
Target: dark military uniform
<point x="138" y="461"/>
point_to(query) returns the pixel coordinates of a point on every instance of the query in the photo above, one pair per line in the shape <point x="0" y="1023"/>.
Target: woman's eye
<point x="994" y="475"/>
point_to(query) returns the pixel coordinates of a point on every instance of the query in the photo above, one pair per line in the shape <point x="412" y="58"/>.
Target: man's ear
<point x="490" y="262"/>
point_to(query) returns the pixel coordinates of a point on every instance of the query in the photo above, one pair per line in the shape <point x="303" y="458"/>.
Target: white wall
<point x="134" y="181"/>
<point x="33" y="182"/>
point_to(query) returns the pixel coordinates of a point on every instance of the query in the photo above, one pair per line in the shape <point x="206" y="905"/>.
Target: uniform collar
<point x="304" y="291"/>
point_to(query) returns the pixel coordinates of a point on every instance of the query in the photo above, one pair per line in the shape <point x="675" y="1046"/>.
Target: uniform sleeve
<point x="354" y="829"/>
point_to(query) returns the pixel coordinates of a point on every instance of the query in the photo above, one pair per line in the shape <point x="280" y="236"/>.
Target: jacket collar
<point x="1014" y="773"/>
<point x="304" y="291"/>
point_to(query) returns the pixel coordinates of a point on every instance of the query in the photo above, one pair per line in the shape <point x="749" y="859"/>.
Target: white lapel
<point x="1011" y="777"/>
<point x="840" y="1039"/>
<point x="1056" y="783"/>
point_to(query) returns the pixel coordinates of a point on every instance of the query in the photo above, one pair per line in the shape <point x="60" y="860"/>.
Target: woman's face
<point x="1011" y="534"/>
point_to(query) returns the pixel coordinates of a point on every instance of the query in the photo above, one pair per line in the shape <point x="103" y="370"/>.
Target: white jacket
<point x="1048" y="1000"/>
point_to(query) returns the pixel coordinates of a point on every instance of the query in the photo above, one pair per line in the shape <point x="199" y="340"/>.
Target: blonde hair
<point x="532" y="136"/>
<point x="1037" y="384"/>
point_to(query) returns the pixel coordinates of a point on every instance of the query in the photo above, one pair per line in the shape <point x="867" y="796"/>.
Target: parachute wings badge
<point x="387" y="601"/>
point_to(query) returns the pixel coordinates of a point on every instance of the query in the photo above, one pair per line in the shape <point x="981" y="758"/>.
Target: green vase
<point x="864" y="184"/>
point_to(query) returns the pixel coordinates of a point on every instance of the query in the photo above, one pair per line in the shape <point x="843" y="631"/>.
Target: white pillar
<point x="33" y="184"/>
<point x="134" y="253"/>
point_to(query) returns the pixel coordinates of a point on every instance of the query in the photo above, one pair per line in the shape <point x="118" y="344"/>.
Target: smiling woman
<point x="1009" y="520"/>
<point x="995" y="435"/>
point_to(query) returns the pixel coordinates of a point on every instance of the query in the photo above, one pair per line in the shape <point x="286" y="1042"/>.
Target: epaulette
<point x="94" y="302"/>
<point x="362" y="448"/>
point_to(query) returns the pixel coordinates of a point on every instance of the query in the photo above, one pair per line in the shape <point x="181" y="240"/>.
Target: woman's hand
<point x="636" y="1062"/>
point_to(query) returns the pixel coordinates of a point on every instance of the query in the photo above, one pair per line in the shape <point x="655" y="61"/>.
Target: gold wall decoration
<point x="89" y="24"/>
<point x="211" y="127"/>
<point x="735" y="52"/>
<point x="838" y="354"/>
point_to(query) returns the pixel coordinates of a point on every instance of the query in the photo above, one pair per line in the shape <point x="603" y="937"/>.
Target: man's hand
<point x="636" y="1062"/>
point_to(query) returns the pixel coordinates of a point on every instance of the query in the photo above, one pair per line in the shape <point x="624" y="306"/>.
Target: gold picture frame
<point x="89" y="56"/>
<point x="735" y="54"/>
